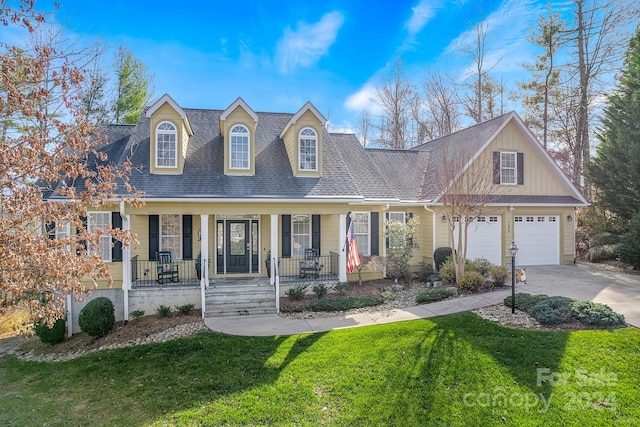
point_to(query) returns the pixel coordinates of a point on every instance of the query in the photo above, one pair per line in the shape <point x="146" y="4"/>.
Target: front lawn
<point x="450" y="370"/>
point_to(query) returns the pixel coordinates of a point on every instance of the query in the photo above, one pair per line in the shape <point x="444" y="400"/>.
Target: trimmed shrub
<point x="137" y="313"/>
<point x="499" y="275"/>
<point x="341" y="288"/>
<point x="603" y="253"/>
<point x="482" y="266"/>
<point x="426" y="271"/>
<point x="440" y="256"/>
<point x="603" y="239"/>
<point x="471" y="280"/>
<point x="553" y="311"/>
<point x="185" y="309"/>
<point x="447" y="272"/>
<point x="97" y="317"/>
<point x="345" y="303"/>
<point x="629" y="249"/>
<point x="296" y="293"/>
<point x="54" y="335"/>
<point x="524" y="301"/>
<point x="592" y="313"/>
<point x="433" y="295"/>
<point x="320" y="290"/>
<point x="164" y="311"/>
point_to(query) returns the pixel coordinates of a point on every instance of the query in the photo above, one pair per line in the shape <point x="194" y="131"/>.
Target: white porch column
<point x="126" y="268"/>
<point x="204" y="258"/>
<point x="274" y="248"/>
<point x="342" y="236"/>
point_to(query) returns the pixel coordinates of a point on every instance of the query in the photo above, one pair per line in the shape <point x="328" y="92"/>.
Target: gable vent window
<point x="308" y="150"/>
<point x="166" y="145"/>
<point x="239" y="148"/>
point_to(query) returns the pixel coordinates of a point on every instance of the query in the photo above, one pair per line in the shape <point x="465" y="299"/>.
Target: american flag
<point x="353" y="257"/>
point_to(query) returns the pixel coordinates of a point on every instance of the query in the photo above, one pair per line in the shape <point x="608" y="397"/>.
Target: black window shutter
<point x="154" y="231"/>
<point x="50" y="229"/>
<point x="375" y="234"/>
<point x="496" y="167"/>
<point x="408" y="218"/>
<point x="187" y="237"/>
<point x="81" y="245"/>
<point x="116" y="247"/>
<point x="315" y="232"/>
<point x="520" y="162"/>
<point x="286" y="236"/>
<point x="386" y="219"/>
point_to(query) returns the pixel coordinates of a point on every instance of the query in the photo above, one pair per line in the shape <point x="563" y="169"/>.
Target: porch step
<point x="234" y="299"/>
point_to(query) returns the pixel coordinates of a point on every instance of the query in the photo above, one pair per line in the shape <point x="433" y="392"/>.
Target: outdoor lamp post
<point x="513" y="249"/>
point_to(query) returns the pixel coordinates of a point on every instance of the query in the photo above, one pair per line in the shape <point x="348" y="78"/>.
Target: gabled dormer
<point x="169" y="136"/>
<point x="302" y="136"/>
<point x="238" y="125"/>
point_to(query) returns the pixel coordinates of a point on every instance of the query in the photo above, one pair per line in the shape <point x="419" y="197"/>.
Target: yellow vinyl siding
<point x="239" y="117"/>
<point x="291" y="138"/>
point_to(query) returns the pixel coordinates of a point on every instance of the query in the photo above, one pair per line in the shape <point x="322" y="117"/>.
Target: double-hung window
<point x="166" y="145"/>
<point x="362" y="231"/>
<point x="300" y="234"/>
<point x="171" y="235"/>
<point x="63" y="231"/>
<point x="239" y="158"/>
<point x="508" y="168"/>
<point x="100" y="222"/>
<point x="394" y="217"/>
<point x="308" y="150"/>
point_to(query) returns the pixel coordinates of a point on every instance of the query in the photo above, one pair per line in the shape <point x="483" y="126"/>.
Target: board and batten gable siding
<point x="166" y="113"/>
<point x="290" y="138"/>
<point x="539" y="176"/>
<point x="239" y="117"/>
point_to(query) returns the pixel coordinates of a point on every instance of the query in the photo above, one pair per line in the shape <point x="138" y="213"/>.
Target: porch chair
<point x="166" y="267"/>
<point x="310" y="263"/>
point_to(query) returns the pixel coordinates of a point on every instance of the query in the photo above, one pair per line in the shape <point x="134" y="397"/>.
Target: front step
<point x="239" y="298"/>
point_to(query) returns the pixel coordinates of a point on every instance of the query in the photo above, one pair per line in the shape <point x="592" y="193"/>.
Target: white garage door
<point x="485" y="239"/>
<point x="538" y="239"/>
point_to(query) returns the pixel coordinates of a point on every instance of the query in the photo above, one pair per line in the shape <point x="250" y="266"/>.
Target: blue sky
<point x="279" y="54"/>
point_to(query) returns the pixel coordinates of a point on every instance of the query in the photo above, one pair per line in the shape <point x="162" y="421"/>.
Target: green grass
<point x="455" y="370"/>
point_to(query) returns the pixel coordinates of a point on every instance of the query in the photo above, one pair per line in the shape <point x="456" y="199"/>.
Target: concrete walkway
<point x="619" y="290"/>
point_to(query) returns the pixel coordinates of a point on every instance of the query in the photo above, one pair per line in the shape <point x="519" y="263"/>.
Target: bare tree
<point x="477" y="52"/>
<point x="436" y="108"/>
<point x="394" y="98"/>
<point x="364" y="127"/>
<point x="466" y="188"/>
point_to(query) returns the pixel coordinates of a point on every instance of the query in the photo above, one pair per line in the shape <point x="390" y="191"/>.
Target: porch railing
<point x="291" y="271"/>
<point x="144" y="273"/>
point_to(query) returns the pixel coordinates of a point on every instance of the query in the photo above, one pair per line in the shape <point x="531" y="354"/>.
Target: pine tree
<point x="615" y="172"/>
<point x="133" y="87"/>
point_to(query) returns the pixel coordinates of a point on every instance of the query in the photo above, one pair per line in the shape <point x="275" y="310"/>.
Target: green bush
<point x="345" y="303"/>
<point x="553" y="311"/>
<point x="426" y="271"/>
<point x="592" y="313"/>
<point x="54" y="335"/>
<point x="499" y="275"/>
<point x="603" y="239"/>
<point x="603" y="253"/>
<point x="97" y="317"/>
<point x="440" y="256"/>
<point x="185" y="309"/>
<point x="433" y="295"/>
<point x="320" y="290"/>
<point x="524" y="301"/>
<point x="137" y="313"/>
<point x="482" y="266"/>
<point x="164" y="311"/>
<point x="629" y="247"/>
<point x="471" y="280"/>
<point x="297" y="292"/>
<point x="341" y="288"/>
<point x="447" y="272"/>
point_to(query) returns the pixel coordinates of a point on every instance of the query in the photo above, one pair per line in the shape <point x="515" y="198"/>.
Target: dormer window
<point x="166" y="145"/>
<point x="239" y="158"/>
<point x="308" y="150"/>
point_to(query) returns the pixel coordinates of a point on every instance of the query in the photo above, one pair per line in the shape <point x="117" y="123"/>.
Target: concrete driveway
<point x="619" y="290"/>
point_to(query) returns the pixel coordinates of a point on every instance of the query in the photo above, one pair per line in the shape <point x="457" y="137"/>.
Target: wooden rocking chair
<point x="310" y="263"/>
<point x="166" y="267"/>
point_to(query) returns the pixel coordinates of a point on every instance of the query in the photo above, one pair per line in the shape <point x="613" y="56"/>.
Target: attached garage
<point x="485" y="239"/>
<point x="538" y="239"/>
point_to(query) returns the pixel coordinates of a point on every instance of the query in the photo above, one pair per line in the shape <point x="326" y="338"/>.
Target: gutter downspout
<point x="433" y="232"/>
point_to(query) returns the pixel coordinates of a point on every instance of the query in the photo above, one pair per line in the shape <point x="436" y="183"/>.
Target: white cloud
<point x="362" y="99"/>
<point x="422" y="14"/>
<point x="305" y="45"/>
